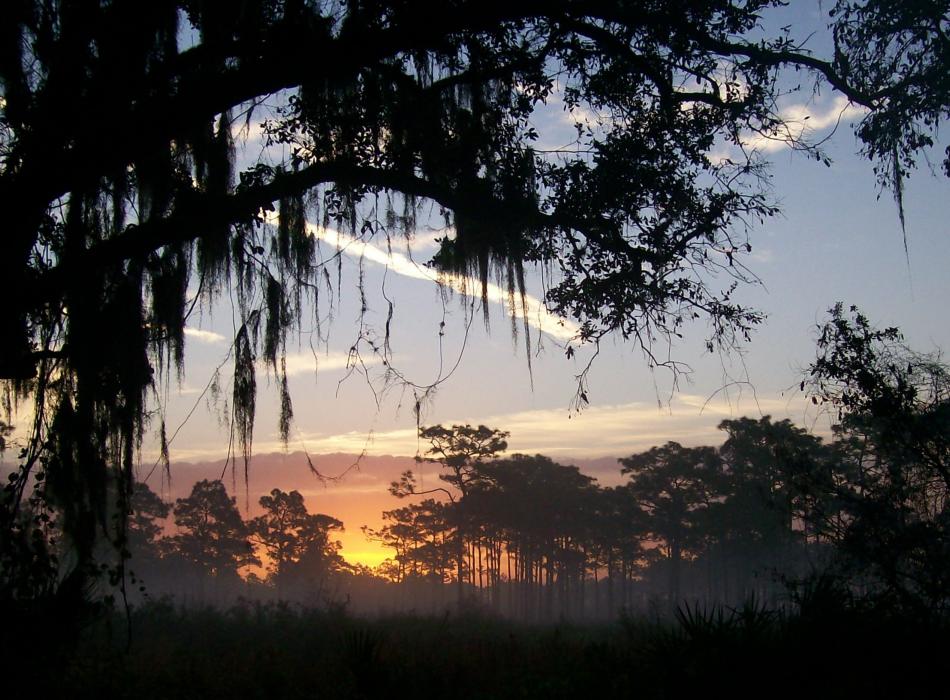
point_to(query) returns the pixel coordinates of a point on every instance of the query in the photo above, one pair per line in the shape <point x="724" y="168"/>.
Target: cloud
<point x="427" y="240"/>
<point x="802" y="121"/>
<point x="187" y="389"/>
<point x="206" y="337"/>
<point x="535" y="312"/>
<point x="585" y="116"/>
<point x="396" y="442"/>
<point x="248" y="133"/>
<point x="763" y="255"/>
<point x="308" y="362"/>
<point x="721" y="155"/>
<point x="599" y="431"/>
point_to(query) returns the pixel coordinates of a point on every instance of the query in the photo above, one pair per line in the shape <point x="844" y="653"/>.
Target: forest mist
<point x="755" y="520"/>
<point x="700" y="570"/>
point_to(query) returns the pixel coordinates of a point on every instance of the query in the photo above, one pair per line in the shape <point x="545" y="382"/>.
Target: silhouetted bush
<point x="257" y="650"/>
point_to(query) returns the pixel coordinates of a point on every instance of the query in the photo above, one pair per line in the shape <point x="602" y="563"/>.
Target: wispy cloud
<point x="248" y="133"/>
<point x="802" y="122"/>
<point x="187" y="389"/>
<point x="763" y="255"/>
<point x="206" y="337"/>
<point x="615" y="430"/>
<point x="308" y="362"/>
<point x="534" y="310"/>
<point x="427" y="241"/>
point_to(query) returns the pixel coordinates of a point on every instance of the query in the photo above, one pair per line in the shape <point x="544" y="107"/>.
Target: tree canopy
<point x="212" y="533"/>
<point x="290" y="535"/>
<point x="117" y="128"/>
<point x="892" y="481"/>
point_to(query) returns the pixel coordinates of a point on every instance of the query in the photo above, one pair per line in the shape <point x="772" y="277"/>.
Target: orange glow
<point x="357" y="499"/>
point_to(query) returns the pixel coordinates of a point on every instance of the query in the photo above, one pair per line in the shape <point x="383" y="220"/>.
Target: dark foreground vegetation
<point x="828" y="647"/>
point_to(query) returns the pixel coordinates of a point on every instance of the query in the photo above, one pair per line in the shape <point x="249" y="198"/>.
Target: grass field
<point x="275" y="651"/>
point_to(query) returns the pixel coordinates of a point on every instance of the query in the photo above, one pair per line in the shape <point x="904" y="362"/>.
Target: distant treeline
<point x="772" y="508"/>
<point x="771" y="512"/>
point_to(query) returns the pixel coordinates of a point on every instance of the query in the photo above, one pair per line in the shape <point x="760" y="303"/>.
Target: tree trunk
<point x="675" y="556"/>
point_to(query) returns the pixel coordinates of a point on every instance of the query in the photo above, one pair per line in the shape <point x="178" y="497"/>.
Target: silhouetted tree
<point x="30" y="558"/>
<point x="673" y="484"/>
<point x="297" y="543"/>
<point x="543" y="510"/>
<point x="460" y="450"/>
<point x="423" y="536"/>
<point x="894" y="445"/>
<point x="212" y="534"/>
<point x="768" y="502"/>
<point x="284" y="529"/>
<point x="117" y="124"/>
<point x="618" y="532"/>
<point x="320" y="561"/>
<point x="144" y="530"/>
<point x="897" y="51"/>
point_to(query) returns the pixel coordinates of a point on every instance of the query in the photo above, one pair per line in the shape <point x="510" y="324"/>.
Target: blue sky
<point x="836" y="240"/>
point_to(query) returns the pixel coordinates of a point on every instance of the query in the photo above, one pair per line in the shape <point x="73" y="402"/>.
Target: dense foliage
<point x="769" y="511"/>
<point x="772" y="512"/>
<point x="822" y="649"/>
<point x="891" y="489"/>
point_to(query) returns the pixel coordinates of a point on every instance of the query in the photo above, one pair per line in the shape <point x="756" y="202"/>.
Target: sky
<point x="838" y="238"/>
